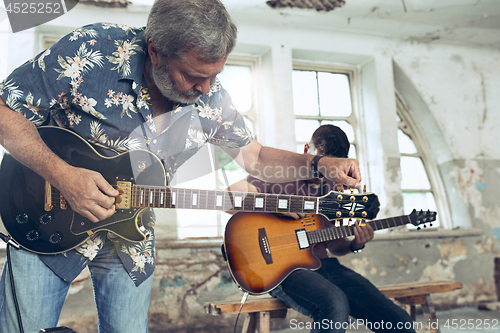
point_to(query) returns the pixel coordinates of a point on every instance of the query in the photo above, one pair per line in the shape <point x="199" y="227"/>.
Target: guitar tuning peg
<point x="430" y="224"/>
<point x="339" y="188"/>
<point x="337" y="223"/>
<point x="363" y="223"/>
<point x="364" y="188"/>
<point x="418" y="228"/>
<point x="351" y="189"/>
<point x="349" y="223"/>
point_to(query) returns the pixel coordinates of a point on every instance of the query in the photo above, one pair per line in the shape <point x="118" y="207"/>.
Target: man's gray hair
<point x="179" y="26"/>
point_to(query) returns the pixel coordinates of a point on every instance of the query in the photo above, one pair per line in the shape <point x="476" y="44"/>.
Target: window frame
<point x="430" y="166"/>
<point x="355" y="119"/>
<point x="253" y="63"/>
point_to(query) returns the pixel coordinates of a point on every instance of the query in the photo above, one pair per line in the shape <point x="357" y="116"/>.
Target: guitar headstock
<point x="339" y="205"/>
<point x="422" y="217"/>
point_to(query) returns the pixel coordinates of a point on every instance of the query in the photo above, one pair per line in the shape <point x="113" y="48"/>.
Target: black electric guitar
<point x="39" y="219"/>
<point x="263" y="249"/>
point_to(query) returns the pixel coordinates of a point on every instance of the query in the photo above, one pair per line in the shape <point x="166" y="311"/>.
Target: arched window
<point x="421" y="183"/>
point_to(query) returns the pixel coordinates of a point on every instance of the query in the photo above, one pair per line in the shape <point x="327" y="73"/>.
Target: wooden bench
<point x="261" y="309"/>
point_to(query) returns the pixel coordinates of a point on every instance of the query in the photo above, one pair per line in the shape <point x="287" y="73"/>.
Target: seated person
<point x="333" y="292"/>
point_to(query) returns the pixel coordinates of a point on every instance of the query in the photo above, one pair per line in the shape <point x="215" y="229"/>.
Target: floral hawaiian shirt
<point x="91" y="82"/>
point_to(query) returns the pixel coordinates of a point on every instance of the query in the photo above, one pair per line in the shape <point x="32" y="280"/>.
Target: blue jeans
<point x="332" y="293"/>
<point x="121" y="306"/>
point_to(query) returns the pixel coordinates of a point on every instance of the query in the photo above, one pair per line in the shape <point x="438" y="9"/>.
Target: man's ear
<point x="153" y="53"/>
<point x="306" y="148"/>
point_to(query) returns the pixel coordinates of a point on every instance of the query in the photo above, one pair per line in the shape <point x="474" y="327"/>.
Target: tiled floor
<point x="462" y="320"/>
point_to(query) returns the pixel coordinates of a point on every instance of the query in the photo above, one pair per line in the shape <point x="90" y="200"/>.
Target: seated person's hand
<point x="362" y="235"/>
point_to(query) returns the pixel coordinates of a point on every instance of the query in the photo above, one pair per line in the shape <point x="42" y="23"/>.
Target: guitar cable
<point x="11" y="243"/>
<point x="243" y="300"/>
<point x="12" y="286"/>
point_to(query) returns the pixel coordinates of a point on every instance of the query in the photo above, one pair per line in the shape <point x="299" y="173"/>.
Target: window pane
<point x="305" y="93"/>
<point x="334" y="94"/>
<point x="352" y="152"/>
<point x="413" y="174"/>
<point x="304" y="129"/>
<point x="419" y="201"/>
<point x="237" y="80"/>
<point x="344" y="125"/>
<point x="406" y="145"/>
<point x="197" y="223"/>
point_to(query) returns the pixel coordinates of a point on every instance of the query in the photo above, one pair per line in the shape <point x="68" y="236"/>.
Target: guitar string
<point x="293" y="207"/>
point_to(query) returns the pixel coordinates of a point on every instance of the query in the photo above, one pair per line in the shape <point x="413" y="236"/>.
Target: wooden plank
<point x="251" y="305"/>
<point x="413" y="293"/>
<point x="419" y="288"/>
<point x="264" y="322"/>
<point x="250" y="323"/>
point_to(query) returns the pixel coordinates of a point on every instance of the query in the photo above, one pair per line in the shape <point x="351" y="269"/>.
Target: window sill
<point x="419" y="234"/>
<point x="188" y="243"/>
<point x="216" y="242"/>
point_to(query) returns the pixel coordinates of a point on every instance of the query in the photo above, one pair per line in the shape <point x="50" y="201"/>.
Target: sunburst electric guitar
<point x="40" y="220"/>
<point x="263" y="249"/>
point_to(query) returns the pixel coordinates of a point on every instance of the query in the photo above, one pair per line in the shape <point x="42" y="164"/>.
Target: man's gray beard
<point x="166" y="85"/>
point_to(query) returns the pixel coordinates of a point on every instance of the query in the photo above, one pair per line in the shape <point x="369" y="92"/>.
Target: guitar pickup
<point x="123" y="201"/>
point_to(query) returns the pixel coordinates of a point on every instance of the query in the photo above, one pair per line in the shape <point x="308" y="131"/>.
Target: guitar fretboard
<point x="328" y="234"/>
<point x="168" y="197"/>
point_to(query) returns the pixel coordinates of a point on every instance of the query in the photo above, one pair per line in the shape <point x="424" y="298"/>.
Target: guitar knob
<point x="22" y="218"/>
<point x="32" y="235"/>
<point x="55" y="238"/>
<point x="45" y="219"/>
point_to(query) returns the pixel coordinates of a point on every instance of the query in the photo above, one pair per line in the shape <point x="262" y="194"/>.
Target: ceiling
<point x="463" y="22"/>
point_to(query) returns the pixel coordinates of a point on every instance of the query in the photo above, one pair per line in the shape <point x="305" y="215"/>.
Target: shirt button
<point x="154" y="141"/>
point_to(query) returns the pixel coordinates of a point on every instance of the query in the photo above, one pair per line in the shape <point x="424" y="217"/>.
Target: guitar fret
<point x="228" y="201"/>
<point x="337" y="232"/>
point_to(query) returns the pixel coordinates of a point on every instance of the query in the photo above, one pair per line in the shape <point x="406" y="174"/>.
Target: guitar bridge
<point x="265" y="249"/>
<point x="123" y="201"/>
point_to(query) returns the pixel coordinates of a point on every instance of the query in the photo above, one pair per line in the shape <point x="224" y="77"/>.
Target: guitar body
<point x="263" y="249"/>
<point x="58" y="229"/>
